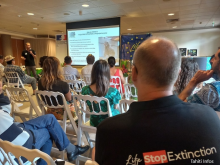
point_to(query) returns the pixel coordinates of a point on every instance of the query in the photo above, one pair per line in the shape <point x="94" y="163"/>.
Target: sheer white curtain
<point x="43" y="47"/>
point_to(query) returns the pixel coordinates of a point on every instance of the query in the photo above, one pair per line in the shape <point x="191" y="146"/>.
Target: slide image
<point x="108" y="46"/>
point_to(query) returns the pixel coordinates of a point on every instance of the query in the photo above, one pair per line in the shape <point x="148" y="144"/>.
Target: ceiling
<point x="137" y="15"/>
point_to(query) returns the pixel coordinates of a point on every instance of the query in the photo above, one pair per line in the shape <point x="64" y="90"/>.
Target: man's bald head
<point x="157" y="61"/>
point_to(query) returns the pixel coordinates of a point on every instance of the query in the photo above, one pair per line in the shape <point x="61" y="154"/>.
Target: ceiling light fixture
<point x="175" y="27"/>
<point x="30" y="13"/>
<point x="19" y="16"/>
<point x="213" y="24"/>
<point x="35" y="28"/>
<point x="85" y="5"/>
<point x="66" y="13"/>
<point x="128" y="29"/>
<point x="170" y="14"/>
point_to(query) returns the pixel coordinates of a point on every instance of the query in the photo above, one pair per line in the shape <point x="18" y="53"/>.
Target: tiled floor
<point x="54" y="154"/>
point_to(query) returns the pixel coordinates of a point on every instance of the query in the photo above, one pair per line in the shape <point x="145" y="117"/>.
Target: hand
<point x="201" y="76"/>
<point x="31" y="52"/>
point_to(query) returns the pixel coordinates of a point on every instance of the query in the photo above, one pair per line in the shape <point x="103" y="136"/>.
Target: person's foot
<point x="80" y="150"/>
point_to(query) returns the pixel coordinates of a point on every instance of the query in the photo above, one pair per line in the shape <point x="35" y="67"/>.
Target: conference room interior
<point x="51" y="27"/>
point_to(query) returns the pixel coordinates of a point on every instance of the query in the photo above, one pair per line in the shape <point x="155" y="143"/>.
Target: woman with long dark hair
<point x="189" y="67"/>
<point x="100" y="86"/>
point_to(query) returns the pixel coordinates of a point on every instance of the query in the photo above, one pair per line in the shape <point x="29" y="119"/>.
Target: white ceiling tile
<point x="189" y="2"/>
<point x="186" y="12"/>
<point x="189" y="7"/>
<point x="210" y="1"/>
<point x="169" y="10"/>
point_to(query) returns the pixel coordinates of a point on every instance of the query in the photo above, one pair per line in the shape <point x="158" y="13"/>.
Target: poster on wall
<point x="192" y="52"/>
<point x="183" y="51"/>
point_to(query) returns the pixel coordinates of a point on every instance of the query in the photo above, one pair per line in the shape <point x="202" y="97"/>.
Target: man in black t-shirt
<point x="159" y="128"/>
<point x="29" y="55"/>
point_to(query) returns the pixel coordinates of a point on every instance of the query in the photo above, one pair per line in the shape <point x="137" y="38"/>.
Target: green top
<point x="113" y="96"/>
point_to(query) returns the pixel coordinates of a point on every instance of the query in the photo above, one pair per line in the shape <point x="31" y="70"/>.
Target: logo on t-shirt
<point x="159" y="157"/>
<point x="25" y="53"/>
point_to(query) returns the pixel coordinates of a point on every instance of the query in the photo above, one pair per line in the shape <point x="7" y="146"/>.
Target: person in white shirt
<point x="88" y="68"/>
<point x="68" y="69"/>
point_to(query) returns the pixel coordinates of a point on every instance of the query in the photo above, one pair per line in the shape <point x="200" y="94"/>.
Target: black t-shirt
<point x="59" y="86"/>
<point x="165" y="130"/>
<point x="29" y="58"/>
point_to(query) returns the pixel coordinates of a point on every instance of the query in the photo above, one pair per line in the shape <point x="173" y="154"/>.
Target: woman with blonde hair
<point x="53" y="80"/>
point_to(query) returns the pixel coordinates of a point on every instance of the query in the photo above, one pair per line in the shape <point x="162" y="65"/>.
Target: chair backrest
<point x="76" y="85"/>
<point x="117" y="81"/>
<point x="86" y="78"/>
<point x="21" y="95"/>
<point x="124" y="105"/>
<point x="69" y="77"/>
<point x="81" y="105"/>
<point x="13" y="79"/>
<point x="49" y="99"/>
<point x="130" y="91"/>
<point x="9" y="151"/>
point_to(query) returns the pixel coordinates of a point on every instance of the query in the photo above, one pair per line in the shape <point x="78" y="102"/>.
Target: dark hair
<point x="101" y="77"/>
<point x="9" y="62"/>
<point x="41" y="62"/>
<point x="90" y="59"/>
<point x="1" y="57"/>
<point x="67" y="59"/>
<point x="111" y="61"/>
<point x="189" y="67"/>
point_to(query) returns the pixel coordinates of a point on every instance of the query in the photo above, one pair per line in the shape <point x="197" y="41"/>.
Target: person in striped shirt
<point x="38" y="133"/>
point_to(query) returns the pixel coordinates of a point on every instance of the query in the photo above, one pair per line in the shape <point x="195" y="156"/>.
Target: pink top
<point x="117" y="81"/>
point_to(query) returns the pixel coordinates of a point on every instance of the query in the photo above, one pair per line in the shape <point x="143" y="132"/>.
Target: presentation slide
<point x="101" y="42"/>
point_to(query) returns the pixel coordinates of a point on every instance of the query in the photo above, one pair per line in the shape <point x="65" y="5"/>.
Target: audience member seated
<point x="159" y="128"/>
<point x="68" y="69"/>
<point x="53" y="80"/>
<point x="210" y="93"/>
<point x="100" y="86"/>
<point x="11" y="67"/>
<point x="41" y="62"/>
<point x="2" y="74"/>
<point x="38" y="133"/>
<point x="189" y="67"/>
<point x="88" y="68"/>
<point x="116" y="72"/>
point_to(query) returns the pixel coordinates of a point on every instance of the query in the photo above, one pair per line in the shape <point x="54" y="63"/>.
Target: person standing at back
<point x="116" y="72"/>
<point x="29" y="55"/>
<point x="68" y="69"/>
<point x="159" y="128"/>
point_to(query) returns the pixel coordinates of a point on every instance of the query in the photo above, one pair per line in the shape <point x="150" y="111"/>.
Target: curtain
<point x="42" y="47"/>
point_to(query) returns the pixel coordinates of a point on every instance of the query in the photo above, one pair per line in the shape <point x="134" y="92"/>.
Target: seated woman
<point x="116" y="72"/>
<point x="53" y="80"/>
<point x="100" y="86"/>
<point x="189" y="67"/>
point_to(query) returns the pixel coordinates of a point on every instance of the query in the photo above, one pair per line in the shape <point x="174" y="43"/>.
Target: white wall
<point x="205" y="41"/>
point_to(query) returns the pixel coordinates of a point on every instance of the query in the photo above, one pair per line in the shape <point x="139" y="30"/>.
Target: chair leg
<point x="88" y="139"/>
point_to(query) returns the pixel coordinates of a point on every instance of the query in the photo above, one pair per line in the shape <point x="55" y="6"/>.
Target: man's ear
<point x="134" y="74"/>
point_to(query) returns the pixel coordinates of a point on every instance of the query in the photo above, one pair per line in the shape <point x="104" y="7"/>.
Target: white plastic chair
<point x="114" y="81"/>
<point x="76" y="85"/>
<point x="13" y="79"/>
<point x="128" y="91"/>
<point x="86" y="78"/>
<point x="83" y="108"/>
<point x="124" y="105"/>
<point x="9" y="151"/>
<point x="17" y="96"/>
<point x="69" y="77"/>
<point x="44" y="99"/>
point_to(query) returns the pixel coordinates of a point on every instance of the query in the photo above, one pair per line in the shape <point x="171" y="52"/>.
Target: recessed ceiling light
<point x="85" y="5"/>
<point x="128" y="29"/>
<point x="170" y="14"/>
<point x="175" y="27"/>
<point x="35" y="28"/>
<point x="30" y="13"/>
<point x="19" y="16"/>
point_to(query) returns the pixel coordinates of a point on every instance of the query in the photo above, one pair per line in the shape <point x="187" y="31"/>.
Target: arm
<point x="122" y="77"/>
<point x="23" y="58"/>
<point x="33" y="54"/>
<point x="199" y="77"/>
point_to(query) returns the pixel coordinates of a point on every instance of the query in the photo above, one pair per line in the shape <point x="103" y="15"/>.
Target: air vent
<point x="172" y="21"/>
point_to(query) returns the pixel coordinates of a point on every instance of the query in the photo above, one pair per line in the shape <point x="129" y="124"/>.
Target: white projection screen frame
<point x="102" y="42"/>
